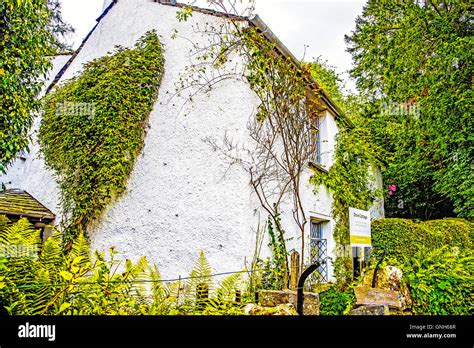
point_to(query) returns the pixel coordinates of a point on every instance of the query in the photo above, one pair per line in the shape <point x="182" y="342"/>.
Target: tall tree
<point x="30" y="33"/>
<point x="413" y="65"/>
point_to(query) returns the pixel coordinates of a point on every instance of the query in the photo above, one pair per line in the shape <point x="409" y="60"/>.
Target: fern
<point x="80" y="248"/>
<point x="4" y="221"/>
<point x="134" y="276"/>
<point x="161" y="293"/>
<point x="227" y="287"/>
<point x="19" y="233"/>
<point x="28" y="278"/>
<point x="56" y="282"/>
<point x="200" y="276"/>
<point x="51" y="256"/>
<point x="202" y="270"/>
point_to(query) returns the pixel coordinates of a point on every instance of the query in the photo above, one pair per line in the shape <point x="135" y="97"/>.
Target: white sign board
<point x="359" y="225"/>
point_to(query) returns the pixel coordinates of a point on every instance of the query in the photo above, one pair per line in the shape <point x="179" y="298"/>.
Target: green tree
<point x="416" y="55"/>
<point x="329" y="80"/>
<point x="30" y="33"/>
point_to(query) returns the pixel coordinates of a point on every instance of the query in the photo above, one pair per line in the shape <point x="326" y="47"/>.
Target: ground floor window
<point x="318" y="250"/>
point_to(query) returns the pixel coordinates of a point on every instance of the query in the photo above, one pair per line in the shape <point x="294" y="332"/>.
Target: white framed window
<point x="318" y="250"/>
<point x="319" y="143"/>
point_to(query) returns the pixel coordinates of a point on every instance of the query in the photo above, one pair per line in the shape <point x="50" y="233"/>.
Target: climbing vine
<point x="350" y="177"/>
<point x="349" y="180"/>
<point x="94" y="125"/>
<point x="283" y="90"/>
<point x="284" y="128"/>
<point x="275" y="269"/>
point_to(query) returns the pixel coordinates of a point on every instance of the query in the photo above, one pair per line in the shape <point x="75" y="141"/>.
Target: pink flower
<point x="392" y="188"/>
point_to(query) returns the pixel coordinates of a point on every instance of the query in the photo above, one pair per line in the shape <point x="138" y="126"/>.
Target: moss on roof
<point x="21" y="203"/>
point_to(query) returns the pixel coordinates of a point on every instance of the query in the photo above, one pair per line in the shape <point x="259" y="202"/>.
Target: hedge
<point x="436" y="258"/>
<point x="404" y="238"/>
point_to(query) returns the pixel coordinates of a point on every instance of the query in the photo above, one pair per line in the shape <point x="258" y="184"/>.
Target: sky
<point x="318" y="24"/>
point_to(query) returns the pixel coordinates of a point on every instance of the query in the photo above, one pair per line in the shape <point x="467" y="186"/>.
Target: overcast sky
<point x="320" y="24"/>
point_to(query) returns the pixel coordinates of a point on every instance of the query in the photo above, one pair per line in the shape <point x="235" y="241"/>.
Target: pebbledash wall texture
<point x="182" y="196"/>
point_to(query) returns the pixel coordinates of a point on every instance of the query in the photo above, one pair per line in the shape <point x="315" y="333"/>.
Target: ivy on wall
<point x="94" y="125"/>
<point x="284" y="127"/>
<point x="349" y="179"/>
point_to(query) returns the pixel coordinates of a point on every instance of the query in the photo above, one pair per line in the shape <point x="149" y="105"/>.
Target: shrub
<point x="455" y="232"/>
<point x="436" y="258"/>
<point x="441" y="281"/>
<point x="336" y="302"/>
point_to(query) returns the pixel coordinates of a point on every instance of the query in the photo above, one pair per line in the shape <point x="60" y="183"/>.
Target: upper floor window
<point x="317" y="155"/>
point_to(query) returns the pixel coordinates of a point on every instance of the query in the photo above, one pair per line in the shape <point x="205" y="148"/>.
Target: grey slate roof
<point x="20" y="203"/>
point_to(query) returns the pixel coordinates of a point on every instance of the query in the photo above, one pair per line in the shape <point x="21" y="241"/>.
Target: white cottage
<point x="182" y="197"/>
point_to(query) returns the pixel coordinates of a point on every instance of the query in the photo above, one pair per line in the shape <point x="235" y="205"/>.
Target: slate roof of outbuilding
<point x="20" y="203"/>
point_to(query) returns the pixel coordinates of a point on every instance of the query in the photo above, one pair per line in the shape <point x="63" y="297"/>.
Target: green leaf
<point x="66" y="275"/>
<point x="64" y="306"/>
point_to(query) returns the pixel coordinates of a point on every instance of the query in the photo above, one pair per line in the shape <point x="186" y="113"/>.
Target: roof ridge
<point x="253" y="20"/>
<point x="76" y="52"/>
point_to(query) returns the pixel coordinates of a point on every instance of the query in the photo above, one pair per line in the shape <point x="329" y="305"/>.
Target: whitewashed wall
<point x="182" y="197"/>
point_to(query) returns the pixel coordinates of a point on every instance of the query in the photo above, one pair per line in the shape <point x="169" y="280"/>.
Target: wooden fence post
<point x="238" y="296"/>
<point x="294" y="270"/>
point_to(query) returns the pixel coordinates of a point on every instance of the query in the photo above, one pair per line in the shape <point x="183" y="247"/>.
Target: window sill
<point x="317" y="167"/>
